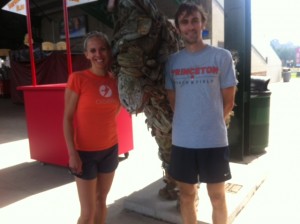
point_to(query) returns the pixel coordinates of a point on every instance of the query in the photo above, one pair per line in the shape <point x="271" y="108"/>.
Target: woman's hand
<point x="75" y="163"/>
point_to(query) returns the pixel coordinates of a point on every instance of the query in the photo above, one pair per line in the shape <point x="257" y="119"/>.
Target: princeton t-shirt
<point x="198" y="79"/>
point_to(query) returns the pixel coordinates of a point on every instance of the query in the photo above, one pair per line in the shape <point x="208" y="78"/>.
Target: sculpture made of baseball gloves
<point x="143" y="39"/>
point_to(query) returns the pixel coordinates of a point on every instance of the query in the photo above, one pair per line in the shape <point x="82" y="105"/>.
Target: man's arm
<point x="171" y="97"/>
<point x="228" y="100"/>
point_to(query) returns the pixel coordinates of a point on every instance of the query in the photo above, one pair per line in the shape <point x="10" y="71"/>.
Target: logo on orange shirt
<point x="105" y="91"/>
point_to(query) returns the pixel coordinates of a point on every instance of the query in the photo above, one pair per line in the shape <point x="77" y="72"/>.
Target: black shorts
<point x="191" y="166"/>
<point x="94" y="162"/>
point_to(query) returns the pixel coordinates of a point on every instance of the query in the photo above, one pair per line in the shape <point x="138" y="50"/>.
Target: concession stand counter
<point x="44" y="106"/>
<point x="44" y="99"/>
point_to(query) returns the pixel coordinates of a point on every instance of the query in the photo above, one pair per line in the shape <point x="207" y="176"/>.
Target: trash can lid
<point x="259" y="83"/>
<point x="259" y="94"/>
<point x="286" y="69"/>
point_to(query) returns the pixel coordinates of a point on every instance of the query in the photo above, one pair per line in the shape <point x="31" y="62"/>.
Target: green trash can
<point x="259" y="117"/>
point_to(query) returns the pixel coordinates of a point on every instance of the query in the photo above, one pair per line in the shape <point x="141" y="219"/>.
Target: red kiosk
<point x="44" y="105"/>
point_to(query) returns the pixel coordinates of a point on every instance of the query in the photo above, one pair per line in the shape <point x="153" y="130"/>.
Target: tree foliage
<point x="285" y="51"/>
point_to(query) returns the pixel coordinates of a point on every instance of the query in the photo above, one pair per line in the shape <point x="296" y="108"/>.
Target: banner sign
<point x="16" y="6"/>
<point x="78" y="2"/>
<point x="298" y="56"/>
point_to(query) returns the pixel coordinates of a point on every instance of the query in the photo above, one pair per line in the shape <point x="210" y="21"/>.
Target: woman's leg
<point x="104" y="182"/>
<point x="87" y="191"/>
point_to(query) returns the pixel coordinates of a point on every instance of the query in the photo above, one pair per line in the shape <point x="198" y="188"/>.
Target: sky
<point x="276" y="19"/>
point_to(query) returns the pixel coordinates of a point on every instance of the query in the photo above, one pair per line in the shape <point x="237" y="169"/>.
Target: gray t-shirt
<point x="197" y="79"/>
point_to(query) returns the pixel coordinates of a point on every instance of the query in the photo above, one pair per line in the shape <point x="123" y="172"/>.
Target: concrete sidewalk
<point x="31" y="192"/>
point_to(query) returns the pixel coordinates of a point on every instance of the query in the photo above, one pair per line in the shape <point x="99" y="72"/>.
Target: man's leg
<point x="217" y="197"/>
<point x="188" y="194"/>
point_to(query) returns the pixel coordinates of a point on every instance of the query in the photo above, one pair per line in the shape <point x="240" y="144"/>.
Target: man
<point x="200" y="80"/>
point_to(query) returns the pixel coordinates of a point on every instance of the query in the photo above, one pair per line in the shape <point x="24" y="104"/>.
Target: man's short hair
<point x="189" y="8"/>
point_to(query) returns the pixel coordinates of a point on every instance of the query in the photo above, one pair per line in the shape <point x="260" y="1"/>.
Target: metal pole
<point x="29" y="31"/>
<point x="66" y="20"/>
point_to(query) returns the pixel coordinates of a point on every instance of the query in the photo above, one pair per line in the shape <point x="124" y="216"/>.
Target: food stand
<point x="44" y="105"/>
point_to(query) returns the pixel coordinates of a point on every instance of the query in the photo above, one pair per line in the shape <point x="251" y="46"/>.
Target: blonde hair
<point x="93" y="34"/>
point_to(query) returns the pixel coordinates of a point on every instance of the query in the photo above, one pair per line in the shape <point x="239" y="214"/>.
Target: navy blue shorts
<point x="192" y="166"/>
<point x="94" y="162"/>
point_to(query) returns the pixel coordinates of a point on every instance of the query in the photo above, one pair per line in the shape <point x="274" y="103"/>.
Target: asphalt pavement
<point x="32" y="192"/>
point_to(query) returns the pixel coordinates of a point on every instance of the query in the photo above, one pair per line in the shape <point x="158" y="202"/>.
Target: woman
<point x="90" y="129"/>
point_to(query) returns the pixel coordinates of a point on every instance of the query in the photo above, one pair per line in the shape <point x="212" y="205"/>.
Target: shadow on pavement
<point x="26" y="179"/>
<point x="248" y="158"/>
<point x="13" y="121"/>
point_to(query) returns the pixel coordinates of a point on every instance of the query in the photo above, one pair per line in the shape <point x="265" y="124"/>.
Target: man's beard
<point x="190" y="42"/>
<point x="193" y="40"/>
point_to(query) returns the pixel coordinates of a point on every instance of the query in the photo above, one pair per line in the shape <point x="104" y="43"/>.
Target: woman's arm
<point x="71" y="99"/>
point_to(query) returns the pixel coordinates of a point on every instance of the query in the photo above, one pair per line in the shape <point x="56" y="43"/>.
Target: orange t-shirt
<point x="97" y="108"/>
